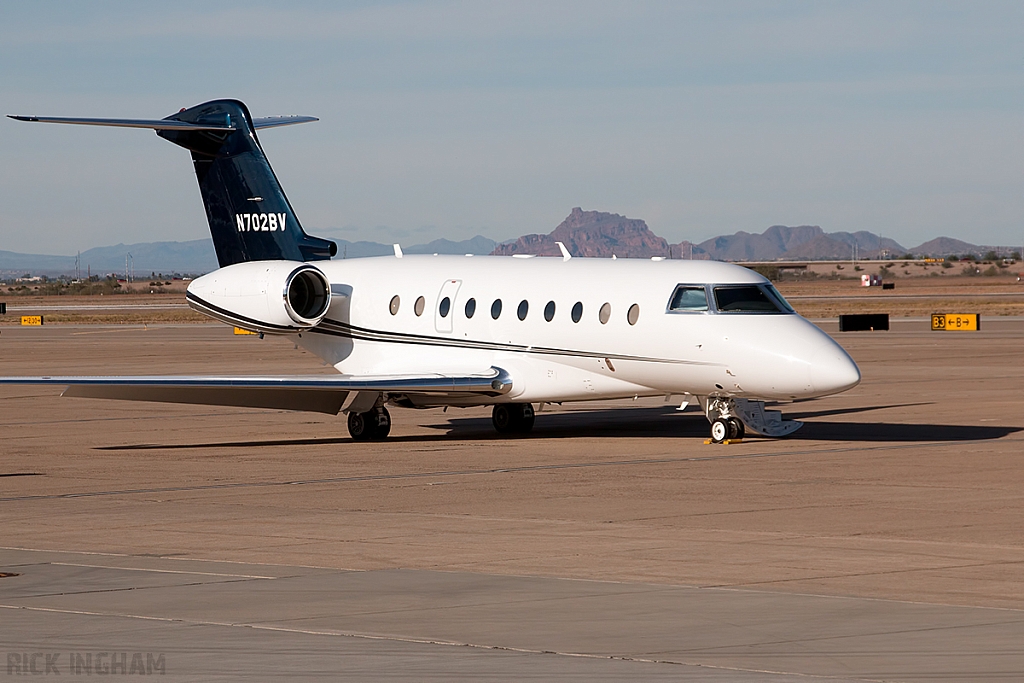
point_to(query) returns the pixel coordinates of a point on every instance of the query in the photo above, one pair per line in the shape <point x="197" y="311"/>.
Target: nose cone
<point x="833" y="371"/>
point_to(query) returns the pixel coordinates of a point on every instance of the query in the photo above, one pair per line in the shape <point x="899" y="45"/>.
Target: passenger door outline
<point x="449" y="289"/>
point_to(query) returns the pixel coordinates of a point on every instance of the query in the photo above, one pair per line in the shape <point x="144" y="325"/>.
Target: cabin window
<point x="746" y="299"/>
<point x="395" y="303"/>
<point x="418" y="307"/>
<point x="496" y="309"/>
<point x="524" y="308"/>
<point x="549" y="311"/>
<point x="577" y="311"/>
<point x="470" y="308"/>
<point x="633" y="314"/>
<point x="445" y="307"/>
<point x="605" y="314"/>
<point x="689" y="299"/>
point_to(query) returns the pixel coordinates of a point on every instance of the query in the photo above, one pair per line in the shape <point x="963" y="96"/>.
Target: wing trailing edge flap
<point x="317" y="393"/>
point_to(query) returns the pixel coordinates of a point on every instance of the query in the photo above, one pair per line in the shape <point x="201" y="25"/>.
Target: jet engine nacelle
<point x="264" y="296"/>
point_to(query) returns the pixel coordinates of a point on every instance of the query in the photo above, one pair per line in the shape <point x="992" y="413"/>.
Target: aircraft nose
<point x="833" y="371"/>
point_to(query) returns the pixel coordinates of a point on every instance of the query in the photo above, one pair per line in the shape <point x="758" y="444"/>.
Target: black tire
<point x="526" y="418"/>
<point x="719" y="430"/>
<point x="502" y="417"/>
<point x="736" y="428"/>
<point x="381" y="420"/>
<point x="360" y="426"/>
<point x="512" y="418"/>
<point x="374" y="425"/>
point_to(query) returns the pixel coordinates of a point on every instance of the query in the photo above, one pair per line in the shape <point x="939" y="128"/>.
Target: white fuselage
<point x="712" y="353"/>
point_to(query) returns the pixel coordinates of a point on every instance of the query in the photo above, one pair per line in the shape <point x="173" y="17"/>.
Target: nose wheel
<point x="726" y="428"/>
<point x="374" y="425"/>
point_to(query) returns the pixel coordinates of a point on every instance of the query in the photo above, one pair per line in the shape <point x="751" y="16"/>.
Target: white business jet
<point x="427" y="331"/>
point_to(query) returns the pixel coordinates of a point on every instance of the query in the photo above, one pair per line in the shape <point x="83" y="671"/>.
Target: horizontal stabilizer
<point x="315" y="393"/>
<point x="275" y="121"/>
<point x="155" y="124"/>
<point x="167" y="124"/>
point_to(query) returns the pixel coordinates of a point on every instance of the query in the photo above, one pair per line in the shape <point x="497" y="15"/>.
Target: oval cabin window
<point x="524" y="308"/>
<point x="418" y="307"/>
<point x="446" y="305"/>
<point x="605" y="314"/>
<point x="549" y="311"/>
<point x="633" y="314"/>
<point x="395" y="303"/>
<point x="470" y="308"/>
<point x="577" y="311"/>
<point x="496" y="309"/>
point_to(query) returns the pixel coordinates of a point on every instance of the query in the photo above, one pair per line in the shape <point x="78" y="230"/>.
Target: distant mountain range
<point x="478" y="246"/>
<point x="584" y="233"/>
<point x="594" y="233"/>
<point x="196" y="256"/>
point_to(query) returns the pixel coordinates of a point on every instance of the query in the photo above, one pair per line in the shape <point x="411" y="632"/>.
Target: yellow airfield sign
<point x="33" y="320"/>
<point x="239" y="330"/>
<point x="956" y="322"/>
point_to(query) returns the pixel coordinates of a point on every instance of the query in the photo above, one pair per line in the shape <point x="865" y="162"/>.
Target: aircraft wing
<point x="313" y="393"/>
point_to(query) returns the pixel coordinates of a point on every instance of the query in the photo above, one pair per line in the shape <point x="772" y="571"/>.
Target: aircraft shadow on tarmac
<point x="666" y="422"/>
<point x="637" y="423"/>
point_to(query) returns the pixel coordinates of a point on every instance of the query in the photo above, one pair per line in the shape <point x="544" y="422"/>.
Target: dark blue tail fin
<point x="250" y="217"/>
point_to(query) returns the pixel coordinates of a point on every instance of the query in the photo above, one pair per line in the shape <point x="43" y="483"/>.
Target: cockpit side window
<point x="748" y="299"/>
<point x="689" y="298"/>
<point x="779" y="298"/>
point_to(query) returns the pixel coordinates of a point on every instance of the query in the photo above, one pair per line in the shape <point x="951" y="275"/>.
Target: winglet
<point x="398" y="250"/>
<point x="565" y="252"/>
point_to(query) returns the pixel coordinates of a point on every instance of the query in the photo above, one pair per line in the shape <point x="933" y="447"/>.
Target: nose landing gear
<point x="738" y="414"/>
<point x="727" y="429"/>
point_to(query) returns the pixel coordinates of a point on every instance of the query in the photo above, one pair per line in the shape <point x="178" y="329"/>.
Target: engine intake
<point x="307" y="295"/>
<point x="264" y="296"/>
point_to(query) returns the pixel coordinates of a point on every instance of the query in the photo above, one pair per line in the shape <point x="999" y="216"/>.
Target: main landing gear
<point x="374" y="425"/>
<point x="513" y="418"/>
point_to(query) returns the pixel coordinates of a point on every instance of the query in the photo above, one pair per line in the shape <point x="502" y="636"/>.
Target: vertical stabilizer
<point x="249" y="215"/>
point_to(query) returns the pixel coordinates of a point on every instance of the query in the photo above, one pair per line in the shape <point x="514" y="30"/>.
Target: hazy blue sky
<point x="448" y="119"/>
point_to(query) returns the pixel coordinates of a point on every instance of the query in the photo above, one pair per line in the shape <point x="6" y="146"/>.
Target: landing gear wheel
<point x="501" y="418"/>
<point x="719" y="430"/>
<point x="736" y="428"/>
<point x="526" y="417"/>
<point x="374" y="425"/>
<point x="513" y="418"/>
<point x="383" y="427"/>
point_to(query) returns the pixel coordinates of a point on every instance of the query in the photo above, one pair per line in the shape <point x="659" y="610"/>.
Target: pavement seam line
<point x="162" y="571"/>
<point x="727" y="588"/>
<point x="486" y="471"/>
<point x="430" y="641"/>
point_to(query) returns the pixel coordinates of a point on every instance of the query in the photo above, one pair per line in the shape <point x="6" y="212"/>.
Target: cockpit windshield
<point x="750" y="299"/>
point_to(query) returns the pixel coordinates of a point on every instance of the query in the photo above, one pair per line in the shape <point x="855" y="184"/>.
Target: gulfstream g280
<point x="426" y="331"/>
